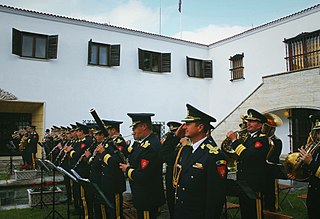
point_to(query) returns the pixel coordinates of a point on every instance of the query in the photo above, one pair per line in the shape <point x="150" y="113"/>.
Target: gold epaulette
<point x="130" y="149"/>
<point x="262" y="135"/>
<point x="212" y="150"/>
<point x="145" y="144"/>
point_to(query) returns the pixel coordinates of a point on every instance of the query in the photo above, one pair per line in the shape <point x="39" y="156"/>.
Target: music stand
<point x="70" y="176"/>
<point x="86" y="183"/>
<point x="237" y="188"/>
<point x="54" y="169"/>
<point x="43" y="167"/>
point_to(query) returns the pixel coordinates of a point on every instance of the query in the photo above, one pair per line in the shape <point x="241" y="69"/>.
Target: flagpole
<point x="180" y="10"/>
<point x="181" y="25"/>
<point x="160" y="19"/>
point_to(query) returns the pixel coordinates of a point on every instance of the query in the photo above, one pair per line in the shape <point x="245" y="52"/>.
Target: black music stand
<point x="70" y="176"/>
<point x="237" y="188"/>
<point x="279" y="171"/>
<point x="54" y="169"/>
<point x="43" y="167"/>
<point x="86" y="183"/>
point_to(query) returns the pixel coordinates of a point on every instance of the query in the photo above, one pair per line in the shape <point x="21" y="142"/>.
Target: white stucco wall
<point x="70" y="87"/>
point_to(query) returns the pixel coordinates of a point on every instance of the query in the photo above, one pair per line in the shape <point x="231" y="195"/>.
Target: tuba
<point x="226" y="144"/>
<point x="268" y="128"/>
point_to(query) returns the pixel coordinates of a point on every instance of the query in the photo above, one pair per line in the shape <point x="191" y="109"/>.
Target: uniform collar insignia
<point x="145" y="144"/>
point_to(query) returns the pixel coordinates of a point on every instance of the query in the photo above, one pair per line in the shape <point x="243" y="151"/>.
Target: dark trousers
<point x="251" y="208"/>
<point x="271" y="195"/>
<point x="76" y="197"/>
<point x="116" y="201"/>
<point x="313" y="203"/>
<point x="150" y="214"/>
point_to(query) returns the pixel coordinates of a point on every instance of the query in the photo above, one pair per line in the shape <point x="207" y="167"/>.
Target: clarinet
<point x="60" y="153"/>
<point x="65" y="153"/>
<point x="82" y="155"/>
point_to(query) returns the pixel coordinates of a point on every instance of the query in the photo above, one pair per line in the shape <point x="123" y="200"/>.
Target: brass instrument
<point x="226" y="143"/>
<point x="23" y="141"/>
<point x="268" y="128"/>
<point x="293" y="164"/>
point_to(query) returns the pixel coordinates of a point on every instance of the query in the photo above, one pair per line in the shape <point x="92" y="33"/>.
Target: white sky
<point x="203" y="21"/>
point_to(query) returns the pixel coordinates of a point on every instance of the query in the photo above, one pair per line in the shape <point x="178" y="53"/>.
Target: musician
<point x="31" y="146"/>
<point x="95" y="162"/>
<point x="82" y="202"/>
<point x="271" y="195"/>
<point x="144" y="169"/>
<point x="251" y="164"/>
<point x="112" y="180"/>
<point x="168" y="152"/>
<point x="312" y="161"/>
<point x="200" y="170"/>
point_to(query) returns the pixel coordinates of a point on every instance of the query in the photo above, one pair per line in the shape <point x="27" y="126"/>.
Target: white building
<point x="60" y="67"/>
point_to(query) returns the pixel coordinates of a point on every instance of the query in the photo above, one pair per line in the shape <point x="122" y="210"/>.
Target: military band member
<point x="95" y="162"/>
<point x="200" y="170"/>
<point x="311" y="159"/>
<point x="168" y="153"/>
<point x="112" y="180"/>
<point x="271" y="194"/>
<point x="31" y="146"/>
<point x="84" y="141"/>
<point x="252" y="163"/>
<point x="144" y="169"/>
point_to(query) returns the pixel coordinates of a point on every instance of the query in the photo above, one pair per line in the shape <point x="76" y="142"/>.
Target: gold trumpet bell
<point x="293" y="166"/>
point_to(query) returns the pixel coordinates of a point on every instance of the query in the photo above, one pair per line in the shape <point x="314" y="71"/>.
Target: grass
<point x="298" y="211"/>
<point x="34" y="213"/>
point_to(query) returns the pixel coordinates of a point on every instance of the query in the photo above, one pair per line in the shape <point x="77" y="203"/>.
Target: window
<point x="303" y="51"/>
<point x="199" y="68"/>
<point x="154" y="61"/>
<point x="103" y="54"/>
<point x="236" y="67"/>
<point x="33" y="45"/>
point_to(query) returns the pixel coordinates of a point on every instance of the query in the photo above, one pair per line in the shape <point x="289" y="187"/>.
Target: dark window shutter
<point x="140" y="51"/>
<point x="115" y="55"/>
<point x="16" y="42"/>
<point x="89" y="51"/>
<point x="188" y="70"/>
<point x="207" y="69"/>
<point x="52" y="47"/>
<point x="166" y="62"/>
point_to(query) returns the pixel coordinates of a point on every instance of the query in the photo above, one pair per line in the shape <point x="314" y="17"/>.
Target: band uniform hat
<point x="140" y="118"/>
<point x="32" y="126"/>
<point x="82" y="127"/>
<point x="63" y="128"/>
<point x="112" y="124"/>
<point x="73" y="127"/>
<point x="98" y="132"/>
<point x="253" y="115"/>
<point x="316" y="121"/>
<point x="173" y="125"/>
<point x="195" y="115"/>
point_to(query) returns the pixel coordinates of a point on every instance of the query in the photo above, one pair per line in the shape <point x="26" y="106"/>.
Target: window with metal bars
<point x="32" y="45"/>
<point x="154" y="61"/>
<point x="199" y="68"/>
<point x="103" y="54"/>
<point x="303" y="51"/>
<point x="236" y="67"/>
